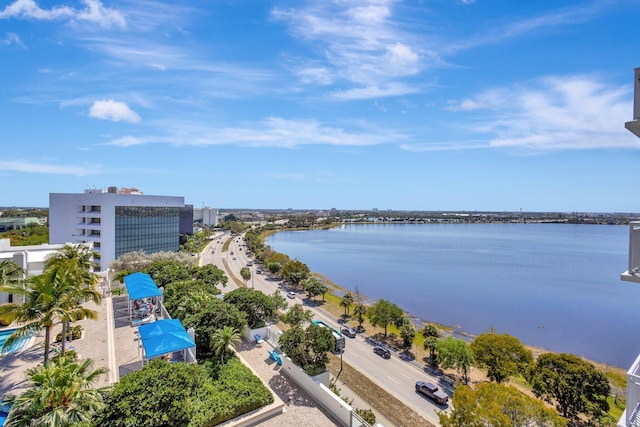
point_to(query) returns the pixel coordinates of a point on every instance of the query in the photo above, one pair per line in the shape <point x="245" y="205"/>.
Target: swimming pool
<point x="16" y="346"/>
<point x="4" y="413"/>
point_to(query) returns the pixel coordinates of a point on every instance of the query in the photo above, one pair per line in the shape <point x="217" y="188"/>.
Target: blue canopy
<point x="141" y="285"/>
<point x="163" y="337"/>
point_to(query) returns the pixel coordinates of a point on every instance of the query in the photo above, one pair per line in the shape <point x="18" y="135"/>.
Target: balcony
<point x="633" y="270"/>
<point x="631" y="415"/>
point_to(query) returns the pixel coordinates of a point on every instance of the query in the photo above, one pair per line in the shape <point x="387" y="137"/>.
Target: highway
<point x="395" y="375"/>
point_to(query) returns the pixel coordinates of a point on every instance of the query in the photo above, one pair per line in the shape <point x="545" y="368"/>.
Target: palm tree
<point x="10" y="272"/>
<point x="359" y="310"/>
<point x="47" y="298"/>
<point x="222" y="339"/>
<point x="77" y="261"/>
<point x="60" y="395"/>
<point x="246" y="274"/>
<point x="346" y="301"/>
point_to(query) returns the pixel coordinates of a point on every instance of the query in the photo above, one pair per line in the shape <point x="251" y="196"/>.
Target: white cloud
<point x="12" y="38"/>
<point x="94" y="12"/>
<point x="371" y="92"/>
<point x="26" y="167"/>
<point x="359" y="42"/>
<point x="127" y="141"/>
<point x="108" y="109"/>
<point x="29" y="9"/>
<point x="269" y="132"/>
<point x="554" y="113"/>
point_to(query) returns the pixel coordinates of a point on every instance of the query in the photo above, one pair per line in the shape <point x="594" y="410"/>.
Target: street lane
<point x="395" y="375"/>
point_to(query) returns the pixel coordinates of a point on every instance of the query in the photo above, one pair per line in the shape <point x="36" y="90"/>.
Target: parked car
<point x="258" y="271"/>
<point x="351" y="333"/>
<point x="291" y="294"/>
<point x="432" y="392"/>
<point x="382" y="352"/>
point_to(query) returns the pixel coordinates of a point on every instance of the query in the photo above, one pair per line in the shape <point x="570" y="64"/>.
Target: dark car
<point x="348" y="332"/>
<point x="382" y="352"/>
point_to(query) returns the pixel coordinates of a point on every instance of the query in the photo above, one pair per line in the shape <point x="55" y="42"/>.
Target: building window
<point x="149" y="229"/>
<point x="95" y="221"/>
<point x="94" y="209"/>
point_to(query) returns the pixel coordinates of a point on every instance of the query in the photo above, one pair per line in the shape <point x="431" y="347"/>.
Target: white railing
<point x="633" y="272"/>
<point x="631" y="416"/>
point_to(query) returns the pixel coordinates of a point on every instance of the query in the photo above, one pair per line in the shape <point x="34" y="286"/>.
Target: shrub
<point x="73" y="333"/>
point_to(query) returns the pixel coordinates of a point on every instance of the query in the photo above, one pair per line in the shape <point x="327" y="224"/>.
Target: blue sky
<point x="426" y="105"/>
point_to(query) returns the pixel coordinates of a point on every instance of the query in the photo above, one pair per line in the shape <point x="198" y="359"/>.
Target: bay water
<point x="555" y="286"/>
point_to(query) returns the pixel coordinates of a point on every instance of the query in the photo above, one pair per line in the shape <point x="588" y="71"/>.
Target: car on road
<point x="258" y="271"/>
<point x="351" y="333"/>
<point x="432" y="392"/>
<point x="234" y="258"/>
<point x="291" y="294"/>
<point x="382" y="352"/>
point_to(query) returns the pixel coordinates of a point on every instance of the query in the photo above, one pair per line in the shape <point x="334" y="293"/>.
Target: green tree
<point x="210" y="274"/>
<point x="308" y="348"/>
<point x="280" y="302"/>
<point x="217" y="314"/>
<point x="10" y="272"/>
<point x="501" y="354"/>
<point x="48" y="297"/>
<point x="180" y="295"/>
<point x="346" y="301"/>
<point x="455" y="354"/>
<point x="383" y="313"/>
<point x="407" y="333"/>
<point x="574" y="384"/>
<point x="497" y="405"/>
<point x="295" y="272"/>
<point x="158" y="395"/>
<point x="246" y="274"/>
<point x="274" y="267"/>
<point x="360" y="310"/>
<point x="297" y="316"/>
<point x="165" y="272"/>
<point x="315" y="287"/>
<point x="258" y="306"/>
<point x="10" y="275"/>
<point x="196" y="302"/>
<point x="60" y="394"/>
<point x="431" y="336"/>
<point x="77" y="263"/>
<point x="222" y="339"/>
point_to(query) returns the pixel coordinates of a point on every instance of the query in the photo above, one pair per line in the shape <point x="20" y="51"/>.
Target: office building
<point x="117" y="222"/>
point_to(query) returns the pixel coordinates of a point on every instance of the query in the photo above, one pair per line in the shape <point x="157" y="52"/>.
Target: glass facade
<point x="146" y="228"/>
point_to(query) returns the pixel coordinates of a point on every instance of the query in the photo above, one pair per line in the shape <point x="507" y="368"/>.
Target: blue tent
<point x="163" y="337"/>
<point x="141" y="285"/>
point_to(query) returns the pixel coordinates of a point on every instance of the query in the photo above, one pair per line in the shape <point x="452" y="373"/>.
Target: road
<point x="395" y="375"/>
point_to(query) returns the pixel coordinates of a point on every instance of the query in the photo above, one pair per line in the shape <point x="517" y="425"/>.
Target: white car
<point x="291" y="294"/>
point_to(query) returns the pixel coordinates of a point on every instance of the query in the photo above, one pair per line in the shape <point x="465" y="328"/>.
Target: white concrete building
<point x="115" y="222"/>
<point x="631" y="415"/>
<point x="30" y="258"/>
<point x="209" y="217"/>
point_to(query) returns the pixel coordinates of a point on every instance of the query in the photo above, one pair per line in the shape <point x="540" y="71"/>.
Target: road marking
<point x="403" y="374"/>
<point x="393" y="380"/>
